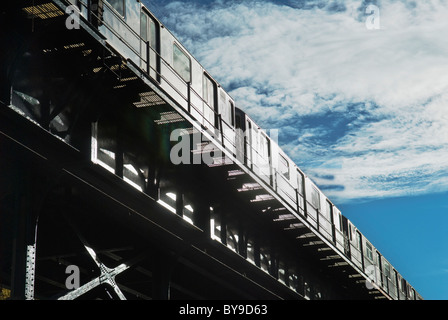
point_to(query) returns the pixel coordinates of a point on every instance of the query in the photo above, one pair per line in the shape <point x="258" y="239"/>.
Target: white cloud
<point x="388" y="87"/>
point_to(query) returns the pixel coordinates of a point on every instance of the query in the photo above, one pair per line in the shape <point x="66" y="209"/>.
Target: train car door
<point x="150" y="44"/>
<point x="248" y="143"/>
<point x="301" y="195"/>
<point x="346" y="232"/>
<point x="339" y="236"/>
<point x="325" y="220"/>
<point x="355" y="241"/>
<point x="226" y="113"/>
<point x="239" y="135"/>
<point x="264" y="162"/>
<point x="210" y="97"/>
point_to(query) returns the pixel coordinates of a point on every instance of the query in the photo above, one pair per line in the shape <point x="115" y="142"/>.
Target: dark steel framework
<point x="63" y="93"/>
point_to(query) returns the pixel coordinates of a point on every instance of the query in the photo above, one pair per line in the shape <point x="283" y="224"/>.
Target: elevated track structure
<point x="87" y="184"/>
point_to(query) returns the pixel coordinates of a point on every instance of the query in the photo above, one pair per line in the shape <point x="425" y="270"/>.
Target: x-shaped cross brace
<point x="107" y="274"/>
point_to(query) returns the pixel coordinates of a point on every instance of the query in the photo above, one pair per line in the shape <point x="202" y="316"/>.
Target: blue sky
<point x="363" y="112"/>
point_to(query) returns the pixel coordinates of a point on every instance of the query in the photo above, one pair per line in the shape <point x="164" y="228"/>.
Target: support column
<point x="161" y="276"/>
<point x="202" y="217"/>
<point x="242" y="241"/>
<point x="153" y="185"/>
<point x="24" y="242"/>
<point x="223" y="234"/>
<point x="274" y="263"/>
<point x="286" y="266"/>
<point x="82" y="138"/>
<point x="179" y="203"/>
<point x="257" y="257"/>
<point x="119" y="161"/>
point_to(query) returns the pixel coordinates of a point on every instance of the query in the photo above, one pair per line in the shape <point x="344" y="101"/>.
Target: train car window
<point x="181" y="63"/>
<point x="403" y="285"/>
<point x="379" y="262"/>
<point x="148" y="30"/>
<point x="225" y="108"/>
<point x="329" y="211"/>
<point x="396" y="279"/>
<point x="284" y="167"/>
<point x="300" y="180"/>
<point x="238" y="122"/>
<point x="255" y="143"/>
<point x="315" y="198"/>
<point x="249" y="135"/>
<point x="358" y="240"/>
<point x="264" y="147"/>
<point x="337" y="219"/>
<point x="369" y="251"/>
<point x="208" y="91"/>
<point x="412" y="293"/>
<point x="144" y="26"/>
<point x="118" y="5"/>
<point x="152" y="33"/>
<point x="232" y="113"/>
<point x="386" y="269"/>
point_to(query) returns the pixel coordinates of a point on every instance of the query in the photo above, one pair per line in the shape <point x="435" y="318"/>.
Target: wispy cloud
<point x="368" y="108"/>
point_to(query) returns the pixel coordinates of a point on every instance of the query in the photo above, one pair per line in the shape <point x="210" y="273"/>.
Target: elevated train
<point x="133" y="31"/>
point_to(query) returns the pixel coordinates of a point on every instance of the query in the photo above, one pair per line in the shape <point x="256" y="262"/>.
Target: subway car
<point x="136" y="34"/>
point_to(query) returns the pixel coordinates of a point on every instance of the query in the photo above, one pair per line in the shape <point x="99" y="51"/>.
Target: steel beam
<point x="107" y="276"/>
